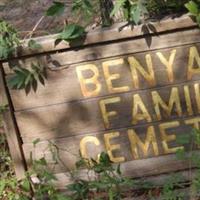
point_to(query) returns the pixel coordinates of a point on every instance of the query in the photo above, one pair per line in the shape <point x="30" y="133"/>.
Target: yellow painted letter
<point x="168" y="64"/>
<point x="89" y="81"/>
<point x="104" y="112"/>
<point x="168" y="138"/>
<point x="188" y="100"/>
<point x="194" y="122"/>
<point x="192" y="70"/>
<point x="83" y="145"/>
<point x="197" y="95"/>
<point x="135" y="65"/>
<point x="111" y="147"/>
<point x="138" y="106"/>
<point x="136" y="142"/>
<point x="173" y="100"/>
<point x="110" y="77"/>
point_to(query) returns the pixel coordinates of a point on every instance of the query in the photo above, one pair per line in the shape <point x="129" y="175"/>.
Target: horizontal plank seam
<point x="101" y="43"/>
<point x="109" y="95"/>
<point x="74" y="64"/>
<point x="100" y="132"/>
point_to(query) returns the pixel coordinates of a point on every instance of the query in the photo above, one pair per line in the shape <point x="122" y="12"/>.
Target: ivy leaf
<point x="56" y="9"/>
<point x="192" y="8"/>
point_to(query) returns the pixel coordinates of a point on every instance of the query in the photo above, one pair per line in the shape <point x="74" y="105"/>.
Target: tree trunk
<point x="106" y="8"/>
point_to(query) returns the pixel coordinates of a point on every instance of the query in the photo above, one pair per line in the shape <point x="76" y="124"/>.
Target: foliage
<point x="70" y="33"/>
<point x="169" y="191"/>
<point x="27" y="78"/>
<point x="83" y="6"/>
<point x="104" y="181"/>
<point x="133" y="10"/>
<point x="194" y="10"/>
<point x="8" y="40"/>
<point x="56" y="9"/>
<point x="107" y="181"/>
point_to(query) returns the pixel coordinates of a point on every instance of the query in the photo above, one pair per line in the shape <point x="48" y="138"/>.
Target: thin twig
<point x="35" y="27"/>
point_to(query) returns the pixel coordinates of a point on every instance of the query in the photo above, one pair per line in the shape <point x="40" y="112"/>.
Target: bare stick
<point x="35" y="27"/>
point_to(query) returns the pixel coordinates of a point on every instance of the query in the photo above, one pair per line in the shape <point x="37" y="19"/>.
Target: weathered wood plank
<point x="11" y="131"/>
<point x="69" y="154"/>
<point x="112" y="34"/>
<point x="67" y="149"/>
<point x="63" y="86"/>
<point x="139" y="133"/>
<point x="79" y="118"/>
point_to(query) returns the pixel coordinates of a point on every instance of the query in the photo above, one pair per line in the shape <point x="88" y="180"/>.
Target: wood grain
<point x="67" y="150"/>
<point x="63" y="86"/>
<point x="11" y="132"/>
<point x="61" y="117"/>
<point x="82" y="117"/>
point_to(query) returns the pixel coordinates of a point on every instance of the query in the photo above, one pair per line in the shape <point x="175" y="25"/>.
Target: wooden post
<point x="11" y="130"/>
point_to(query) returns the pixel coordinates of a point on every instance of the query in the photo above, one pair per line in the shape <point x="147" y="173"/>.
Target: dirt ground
<point x="24" y="14"/>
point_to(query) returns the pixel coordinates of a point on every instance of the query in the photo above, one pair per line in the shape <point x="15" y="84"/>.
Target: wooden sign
<point x="120" y="95"/>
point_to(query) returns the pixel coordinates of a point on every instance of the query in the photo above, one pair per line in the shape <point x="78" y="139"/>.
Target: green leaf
<point x="135" y="14"/>
<point x="118" y="5"/>
<point x="2" y="185"/>
<point x="119" y="169"/>
<point x="183" y="139"/>
<point x="68" y="31"/>
<point x="34" y="85"/>
<point x="84" y="6"/>
<point x="71" y="32"/>
<point x="62" y="197"/>
<point x="111" y="195"/>
<point x="192" y="8"/>
<point x="49" y="176"/>
<point x="56" y="9"/>
<point x="28" y="79"/>
<point x="105" y="159"/>
<point x="36" y="141"/>
<point x="41" y="79"/>
<point x="26" y="185"/>
<point x="17" y="80"/>
<point x="180" y="154"/>
<point x="42" y="161"/>
<point x="32" y="44"/>
<point x="198" y="19"/>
